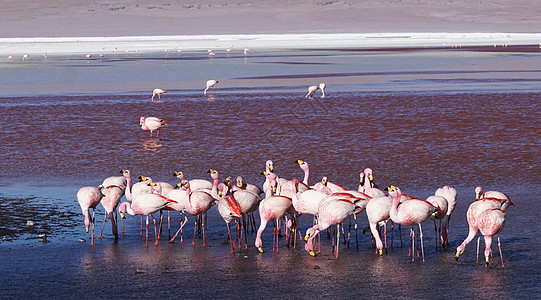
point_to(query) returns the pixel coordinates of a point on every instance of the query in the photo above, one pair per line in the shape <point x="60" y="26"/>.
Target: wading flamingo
<point x="443" y="205"/>
<point x="229" y="209"/>
<point x="195" y="184"/>
<point x="151" y="124"/>
<point x="157" y="92"/>
<point x="449" y="193"/>
<point x="378" y="212"/>
<point x="145" y="204"/>
<point x="89" y="197"/>
<point x="248" y="202"/>
<point x="210" y="85"/>
<point x="476" y="208"/>
<point x="198" y="203"/>
<point x="313" y="88"/>
<point x="367" y="185"/>
<point x="272" y="208"/>
<point x="333" y="210"/>
<point x="491" y="222"/>
<point x="247" y="186"/>
<point x="411" y="212"/>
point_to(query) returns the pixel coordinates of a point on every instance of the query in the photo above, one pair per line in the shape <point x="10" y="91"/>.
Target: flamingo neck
<point x="129" y="195"/>
<point x="126" y="206"/>
<point x="87" y="218"/>
<point x="306" y="175"/>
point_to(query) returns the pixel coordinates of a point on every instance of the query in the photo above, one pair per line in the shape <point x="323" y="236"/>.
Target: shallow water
<point x="404" y="114"/>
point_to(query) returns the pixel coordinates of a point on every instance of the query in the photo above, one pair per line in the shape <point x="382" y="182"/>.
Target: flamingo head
<point x="141" y="121"/>
<point x="144" y="179"/>
<point x="126" y="173"/>
<point x="179" y="175"/>
<point x="213" y="174"/>
<point x="368" y="172"/>
<point x="269" y="165"/>
<point x="239" y="181"/>
<point x="478" y="192"/>
<point x="394" y="191"/>
<point x="185" y="185"/>
<point x="302" y="164"/>
<point x="324" y="180"/>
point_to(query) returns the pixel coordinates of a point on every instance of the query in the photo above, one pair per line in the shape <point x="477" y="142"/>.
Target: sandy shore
<point x="63" y="26"/>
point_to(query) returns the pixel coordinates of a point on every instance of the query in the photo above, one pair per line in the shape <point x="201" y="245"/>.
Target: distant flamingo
<point x="152" y="123"/>
<point x="157" y="92"/>
<point x="449" y="193"/>
<point x="145" y="204"/>
<point x="410" y="212"/>
<point x="475" y="209"/>
<point x="210" y="85"/>
<point x="272" y="208"/>
<point x="313" y="88"/>
<point x="491" y="222"/>
<point x="89" y="197"/>
<point x="334" y="210"/>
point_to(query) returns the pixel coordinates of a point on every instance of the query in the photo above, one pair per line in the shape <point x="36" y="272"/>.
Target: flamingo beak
<point x="122" y="215"/>
<point x="260" y="249"/>
<point x="457" y="255"/>
<point x="86" y="229"/>
<point x="306" y="238"/>
<point x="380" y="252"/>
<point x="312" y="253"/>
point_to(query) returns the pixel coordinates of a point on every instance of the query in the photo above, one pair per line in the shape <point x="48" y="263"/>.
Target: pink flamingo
<point x="198" y="203"/>
<point x="158" y="92"/>
<point x="334" y="210"/>
<point x="412" y="212"/>
<point x="145" y="204"/>
<point x="442" y="204"/>
<point x="229" y="209"/>
<point x="181" y="198"/>
<point x="491" y="222"/>
<point x="248" y="202"/>
<point x="324" y="185"/>
<point x="378" y="212"/>
<point x="313" y="88"/>
<point x="195" y="184"/>
<point x="449" y="193"/>
<point x="271" y="208"/>
<point x="210" y="85"/>
<point x="151" y="124"/>
<point x="112" y="188"/>
<point x="89" y="197"/>
<point x="248" y="186"/>
<point x="476" y="208"/>
<point x="367" y="186"/>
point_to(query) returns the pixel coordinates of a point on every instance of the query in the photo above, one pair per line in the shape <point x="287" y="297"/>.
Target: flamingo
<point x="442" y="204"/>
<point x="152" y="123"/>
<point x="180" y="197"/>
<point x="367" y="186"/>
<point x="491" y="222"/>
<point x="476" y="208"/>
<point x="210" y="85"/>
<point x="247" y="200"/>
<point x="157" y="92"/>
<point x="412" y="212"/>
<point x="333" y="210"/>
<point x="89" y="197"/>
<point x="145" y="204"/>
<point x="248" y="186"/>
<point x="198" y="202"/>
<point x="449" y="193"/>
<point x="378" y="212"/>
<point x="313" y="88"/>
<point x="229" y="209"/>
<point x="110" y="201"/>
<point x="324" y="185"/>
<point x="271" y="208"/>
<point x="195" y="184"/>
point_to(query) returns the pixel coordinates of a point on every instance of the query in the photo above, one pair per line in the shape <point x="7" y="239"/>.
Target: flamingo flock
<point x="282" y="202"/>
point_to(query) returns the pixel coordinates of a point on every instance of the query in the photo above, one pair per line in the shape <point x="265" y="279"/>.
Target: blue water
<point x="419" y="119"/>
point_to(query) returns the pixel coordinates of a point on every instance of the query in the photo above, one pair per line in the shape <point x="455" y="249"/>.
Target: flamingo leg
<point x="195" y="230"/>
<point x="412" y="252"/>
<point x="155" y="231"/>
<point x="385" y="236"/>
<point x="500" y="248"/>
<point x="102" y="226"/>
<point x="421" y="236"/>
<point x="479" y="238"/>
<point x="141" y="234"/>
<point x="182" y="223"/>
<point x="92" y="228"/>
<point x="113" y="224"/>
<point x="169" y="223"/>
<point x="337" y="239"/>
<point x="229" y="235"/>
<point x="146" y="243"/>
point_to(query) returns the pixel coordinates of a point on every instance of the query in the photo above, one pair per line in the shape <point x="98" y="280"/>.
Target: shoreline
<point x="239" y="42"/>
